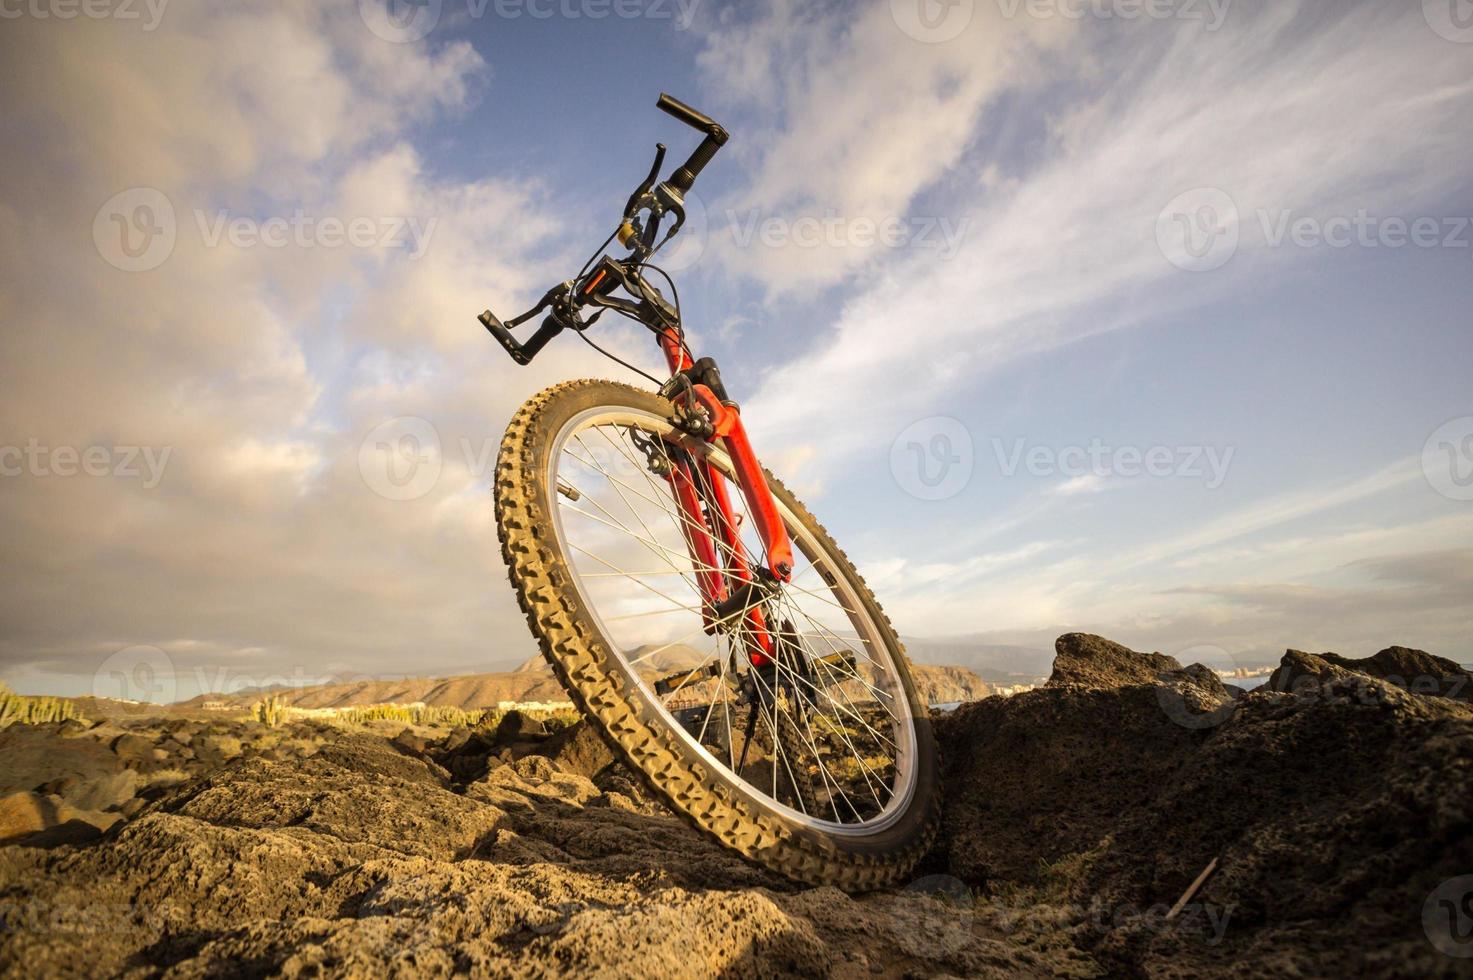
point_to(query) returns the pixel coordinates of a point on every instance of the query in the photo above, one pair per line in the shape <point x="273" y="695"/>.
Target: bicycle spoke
<point x="829" y="731"/>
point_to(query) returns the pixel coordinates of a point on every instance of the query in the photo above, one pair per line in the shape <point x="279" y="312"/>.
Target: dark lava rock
<point x="1300" y="671"/>
<point x="1334" y="810"/>
<point x="356" y="862"/>
<point x="516" y="726"/>
<point x="133" y="748"/>
<point x="579" y="749"/>
<point x="1093" y="662"/>
<point x="1411" y="670"/>
<point x="411" y="743"/>
<point x="31" y="755"/>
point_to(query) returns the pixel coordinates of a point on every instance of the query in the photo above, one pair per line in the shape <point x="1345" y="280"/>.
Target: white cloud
<point x="1260" y="109"/>
<point x="259" y="369"/>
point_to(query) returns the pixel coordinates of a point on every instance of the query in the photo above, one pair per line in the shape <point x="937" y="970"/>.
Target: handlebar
<point x="716" y="138"/>
<point x="650" y="306"/>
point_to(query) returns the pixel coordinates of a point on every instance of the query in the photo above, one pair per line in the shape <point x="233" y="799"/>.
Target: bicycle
<point x="697" y="614"/>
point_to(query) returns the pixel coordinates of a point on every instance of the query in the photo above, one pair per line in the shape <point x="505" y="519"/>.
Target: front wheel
<point x="818" y="763"/>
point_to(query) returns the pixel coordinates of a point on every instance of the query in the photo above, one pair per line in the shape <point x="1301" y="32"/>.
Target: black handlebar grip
<point x="522" y="353"/>
<point x="716" y="137"/>
<point x="691" y="117"/>
<point x="683" y="178"/>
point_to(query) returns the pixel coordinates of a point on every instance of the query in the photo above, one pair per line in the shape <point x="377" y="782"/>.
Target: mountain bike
<point x="699" y="616"/>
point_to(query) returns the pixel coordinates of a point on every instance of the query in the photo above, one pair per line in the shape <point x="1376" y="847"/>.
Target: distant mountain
<point x="469" y="691"/>
<point x="669" y="658"/>
<point x="994" y="662"/>
<point x="533" y="680"/>
<point x="946" y="685"/>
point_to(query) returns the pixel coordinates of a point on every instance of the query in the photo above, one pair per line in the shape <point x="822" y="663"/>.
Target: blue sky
<point x="1038" y="164"/>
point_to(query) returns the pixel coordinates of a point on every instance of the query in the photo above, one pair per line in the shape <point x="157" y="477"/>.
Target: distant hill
<point x="995" y="663"/>
<point x="533" y="680"/>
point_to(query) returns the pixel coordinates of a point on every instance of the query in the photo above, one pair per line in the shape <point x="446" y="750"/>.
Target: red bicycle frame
<point x="732" y="586"/>
<point x="703" y="494"/>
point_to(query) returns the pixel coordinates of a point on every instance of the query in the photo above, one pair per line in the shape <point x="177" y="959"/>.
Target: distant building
<point x="534" y="705"/>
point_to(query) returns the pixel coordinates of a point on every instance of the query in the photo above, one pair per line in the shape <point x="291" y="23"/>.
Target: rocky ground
<point x="1335" y="807"/>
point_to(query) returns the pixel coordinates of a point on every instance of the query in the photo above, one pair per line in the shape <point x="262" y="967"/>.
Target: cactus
<point x="17" y="709"/>
<point x="271" y="712"/>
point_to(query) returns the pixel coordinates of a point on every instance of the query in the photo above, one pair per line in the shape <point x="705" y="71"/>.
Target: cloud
<point x="254" y="374"/>
<point x="1068" y="247"/>
<point x="859" y="119"/>
<point x="258" y="370"/>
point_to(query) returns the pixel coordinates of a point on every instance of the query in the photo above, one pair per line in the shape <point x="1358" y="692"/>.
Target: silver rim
<point x="826" y="737"/>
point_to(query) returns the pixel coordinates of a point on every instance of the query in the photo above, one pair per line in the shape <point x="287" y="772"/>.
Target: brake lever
<point x="633" y="206"/>
<point x="554" y="324"/>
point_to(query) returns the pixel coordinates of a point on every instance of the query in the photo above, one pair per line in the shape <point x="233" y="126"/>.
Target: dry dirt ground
<point x="1337" y="804"/>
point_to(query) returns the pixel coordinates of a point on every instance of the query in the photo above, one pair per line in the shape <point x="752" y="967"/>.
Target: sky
<point x="1148" y="318"/>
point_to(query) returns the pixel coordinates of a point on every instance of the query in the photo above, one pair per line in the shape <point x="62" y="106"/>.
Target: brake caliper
<point x="655" y="456"/>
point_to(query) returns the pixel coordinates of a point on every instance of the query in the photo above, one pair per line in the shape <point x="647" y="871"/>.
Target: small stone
<point x="215" y="749"/>
<point x="25" y="813"/>
<point x="515" y="726"/>
<point x="409" y="742"/>
<point x="133" y="748"/>
<point x="104" y="793"/>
